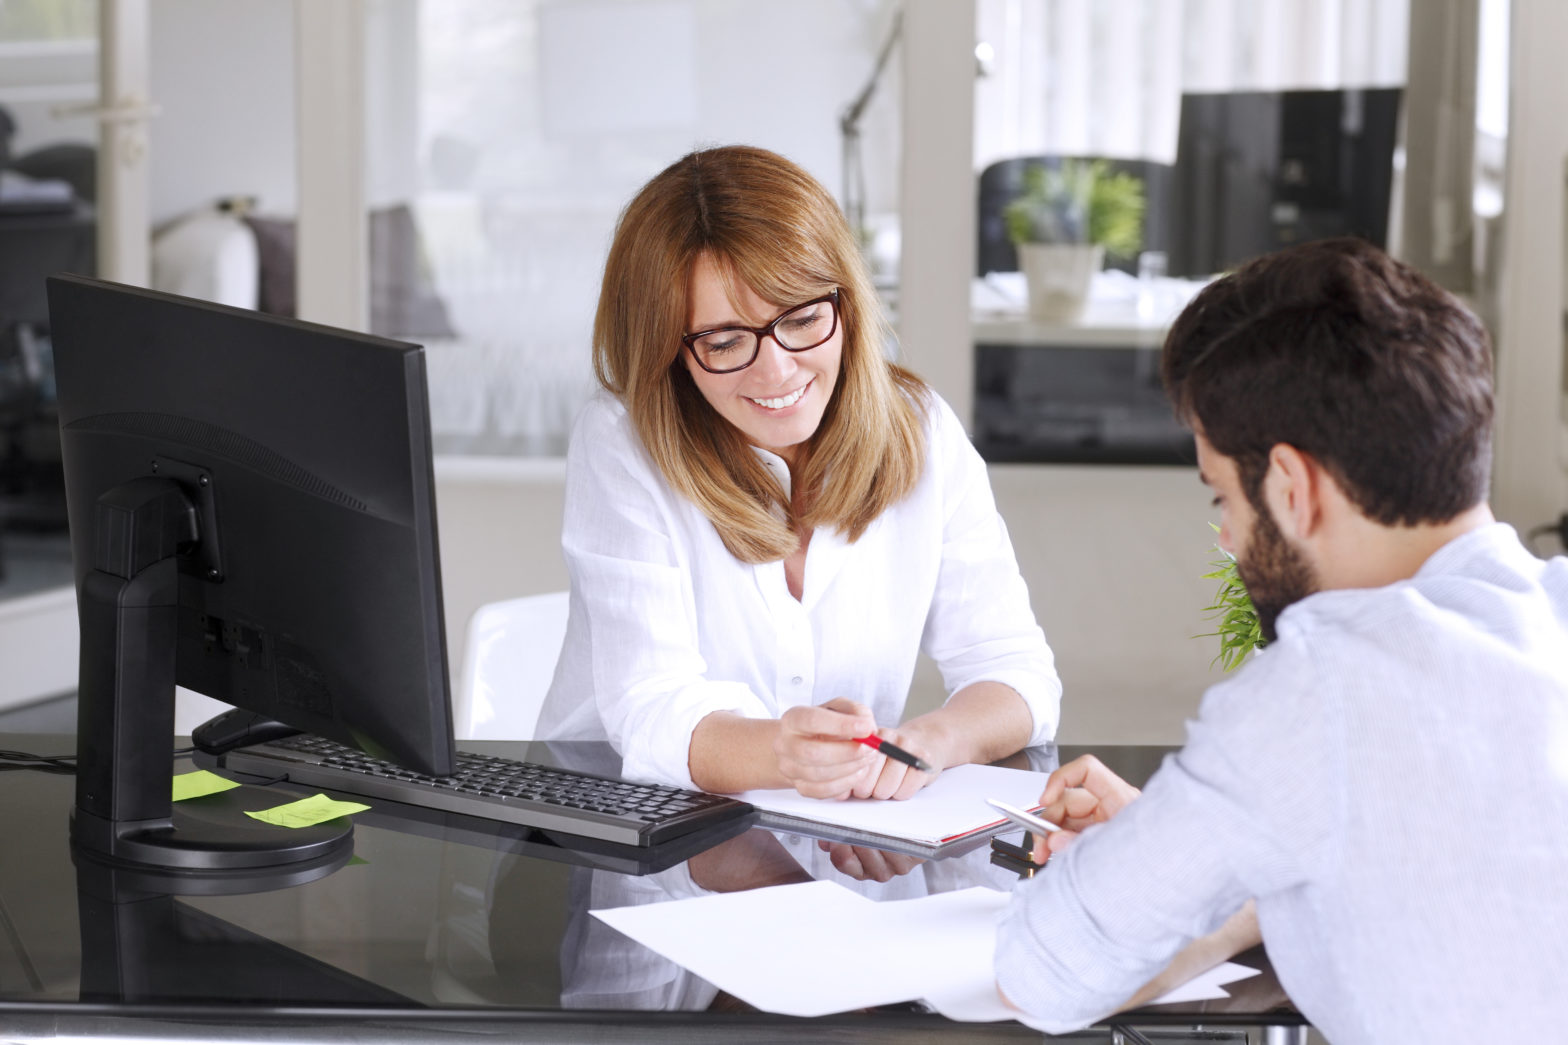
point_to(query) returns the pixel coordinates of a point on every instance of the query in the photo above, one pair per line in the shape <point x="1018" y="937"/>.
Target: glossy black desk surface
<point x="436" y="931"/>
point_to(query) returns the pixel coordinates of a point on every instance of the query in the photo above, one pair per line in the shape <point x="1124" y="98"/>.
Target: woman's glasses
<point x="728" y="349"/>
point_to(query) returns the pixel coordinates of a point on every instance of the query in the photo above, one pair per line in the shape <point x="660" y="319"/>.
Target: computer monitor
<point x="1260" y="170"/>
<point x="252" y="516"/>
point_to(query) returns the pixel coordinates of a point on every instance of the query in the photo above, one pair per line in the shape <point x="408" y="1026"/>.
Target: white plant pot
<point x="1058" y="276"/>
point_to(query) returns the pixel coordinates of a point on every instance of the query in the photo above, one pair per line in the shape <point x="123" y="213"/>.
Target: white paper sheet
<point x="974" y="999"/>
<point x="952" y="806"/>
<point x="783" y="949"/>
<point x="780" y="949"/>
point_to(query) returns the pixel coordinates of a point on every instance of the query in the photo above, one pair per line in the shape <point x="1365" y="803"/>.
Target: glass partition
<point x="505" y="137"/>
<point x="1215" y="131"/>
<point x="48" y="144"/>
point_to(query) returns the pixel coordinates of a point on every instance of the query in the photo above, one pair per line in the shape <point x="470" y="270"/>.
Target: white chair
<point x="191" y="709"/>
<point x="509" y="658"/>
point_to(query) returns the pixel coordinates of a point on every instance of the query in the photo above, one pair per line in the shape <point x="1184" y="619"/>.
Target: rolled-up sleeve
<point x="981" y="627"/>
<point x="1107" y="915"/>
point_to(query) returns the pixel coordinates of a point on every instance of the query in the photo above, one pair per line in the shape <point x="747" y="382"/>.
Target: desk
<point x="1081" y="392"/>
<point x="434" y="937"/>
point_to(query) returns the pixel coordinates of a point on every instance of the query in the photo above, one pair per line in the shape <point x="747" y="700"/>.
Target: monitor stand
<point x="127" y="605"/>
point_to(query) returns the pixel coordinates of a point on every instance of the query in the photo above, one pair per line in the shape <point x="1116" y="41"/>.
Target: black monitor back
<point x="312" y="591"/>
<point x="1259" y="170"/>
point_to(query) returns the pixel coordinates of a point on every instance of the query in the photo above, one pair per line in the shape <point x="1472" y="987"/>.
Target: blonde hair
<point x="768" y="224"/>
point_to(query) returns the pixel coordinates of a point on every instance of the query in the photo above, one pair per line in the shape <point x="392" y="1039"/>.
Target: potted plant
<point x="1236" y="621"/>
<point x="1069" y="217"/>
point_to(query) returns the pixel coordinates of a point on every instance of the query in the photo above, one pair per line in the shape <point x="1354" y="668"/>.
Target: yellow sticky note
<point x="307" y="811"/>
<point x="199" y="782"/>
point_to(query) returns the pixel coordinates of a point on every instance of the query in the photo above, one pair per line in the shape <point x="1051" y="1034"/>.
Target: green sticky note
<point x="307" y="811"/>
<point x="199" y="782"/>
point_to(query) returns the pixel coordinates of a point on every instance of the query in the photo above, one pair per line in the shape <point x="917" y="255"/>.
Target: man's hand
<point x="1081" y="793"/>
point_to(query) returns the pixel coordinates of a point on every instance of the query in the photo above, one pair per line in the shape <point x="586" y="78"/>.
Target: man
<point x="1388" y="778"/>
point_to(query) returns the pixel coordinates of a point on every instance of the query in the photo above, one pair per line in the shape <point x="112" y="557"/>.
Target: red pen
<point x="897" y="753"/>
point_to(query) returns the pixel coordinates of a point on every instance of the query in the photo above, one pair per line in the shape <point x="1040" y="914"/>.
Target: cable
<point x="11" y="760"/>
<point x="50" y="763"/>
<point x="66" y="764"/>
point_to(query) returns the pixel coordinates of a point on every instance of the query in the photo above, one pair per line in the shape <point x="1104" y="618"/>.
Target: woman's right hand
<point x="1081" y="793"/>
<point x="818" y="751"/>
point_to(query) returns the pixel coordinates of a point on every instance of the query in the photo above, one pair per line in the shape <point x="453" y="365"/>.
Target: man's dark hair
<point x="1347" y="355"/>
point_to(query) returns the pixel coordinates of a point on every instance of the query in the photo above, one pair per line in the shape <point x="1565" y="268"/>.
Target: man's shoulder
<point x="1285" y="665"/>
<point x="1483" y="582"/>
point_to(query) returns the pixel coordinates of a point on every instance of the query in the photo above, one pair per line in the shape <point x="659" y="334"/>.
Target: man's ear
<point x="1293" y="490"/>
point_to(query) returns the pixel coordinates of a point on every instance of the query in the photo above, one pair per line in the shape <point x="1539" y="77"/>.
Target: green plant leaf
<point x="1079" y="201"/>
<point x="1116" y="205"/>
<point x="1236" y="621"/>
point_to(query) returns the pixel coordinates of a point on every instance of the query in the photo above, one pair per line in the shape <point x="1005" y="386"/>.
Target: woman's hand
<point x="980" y="723"/>
<point x="752" y="860"/>
<point x="895" y="780"/>
<point x="863" y="863"/>
<point x="818" y="753"/>
<point x="1081" y="793"/>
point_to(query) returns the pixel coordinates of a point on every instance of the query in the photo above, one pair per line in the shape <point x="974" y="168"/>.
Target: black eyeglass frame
<point x="761" y="332"/>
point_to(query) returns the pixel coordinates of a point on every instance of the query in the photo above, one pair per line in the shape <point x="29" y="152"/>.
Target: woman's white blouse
<point x="667" y="627"/>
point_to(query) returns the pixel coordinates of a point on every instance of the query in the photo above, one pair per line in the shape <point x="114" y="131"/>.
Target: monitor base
<point x="212" y="837"/>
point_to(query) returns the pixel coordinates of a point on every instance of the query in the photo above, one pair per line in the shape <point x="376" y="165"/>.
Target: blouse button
<point x="796" y="680"/>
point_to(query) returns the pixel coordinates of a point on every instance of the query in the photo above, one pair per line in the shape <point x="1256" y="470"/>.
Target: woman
<point x="767" y="521"/>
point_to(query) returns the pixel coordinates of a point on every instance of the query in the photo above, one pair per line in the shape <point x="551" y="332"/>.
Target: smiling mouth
<point x="782" y="401"/>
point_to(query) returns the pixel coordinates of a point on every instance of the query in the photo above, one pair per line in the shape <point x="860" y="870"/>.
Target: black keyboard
<point x="496" y="788"/>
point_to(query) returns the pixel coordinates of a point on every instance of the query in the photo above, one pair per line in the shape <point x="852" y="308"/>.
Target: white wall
<point x="1114" y="558"/>
<point x="223" y="75"/>
<point x="1530" y="475"/>
<point x="38" y="646"/>
<point x="499" y="522"/>
<point x="938" y="195"/>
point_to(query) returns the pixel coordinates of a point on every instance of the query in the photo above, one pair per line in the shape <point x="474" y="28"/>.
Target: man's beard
<point x="1275" y="573"/>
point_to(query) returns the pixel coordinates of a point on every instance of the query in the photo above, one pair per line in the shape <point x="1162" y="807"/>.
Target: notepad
<point x="948" y="816"/>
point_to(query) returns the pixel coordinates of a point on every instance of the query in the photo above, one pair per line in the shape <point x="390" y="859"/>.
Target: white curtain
<point x="1105" y="77"/>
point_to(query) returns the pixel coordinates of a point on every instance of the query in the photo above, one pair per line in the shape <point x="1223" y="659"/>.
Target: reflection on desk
<point x="435" y="936"/>
<point x="602" y="968"/>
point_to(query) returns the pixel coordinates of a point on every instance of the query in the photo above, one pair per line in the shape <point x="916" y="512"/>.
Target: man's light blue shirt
<point x="1389" y="780"/>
